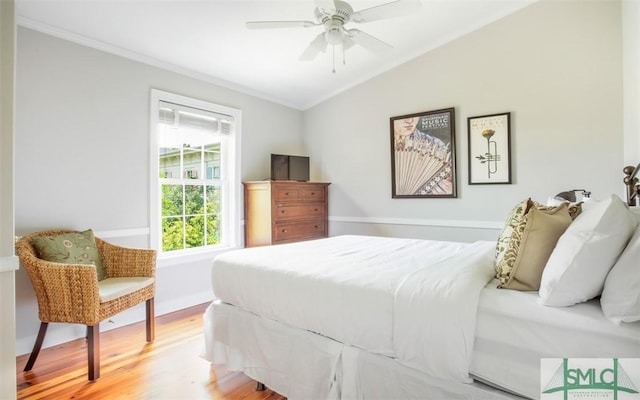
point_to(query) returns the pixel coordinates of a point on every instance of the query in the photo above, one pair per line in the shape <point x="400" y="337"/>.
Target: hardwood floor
<point x="131" y="368"/>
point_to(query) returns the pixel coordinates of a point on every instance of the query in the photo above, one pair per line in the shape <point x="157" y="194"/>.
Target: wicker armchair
<point x="72" y="293"/>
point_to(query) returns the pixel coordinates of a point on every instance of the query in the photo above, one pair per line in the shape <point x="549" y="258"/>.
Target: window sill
<point x="172" y="260"/>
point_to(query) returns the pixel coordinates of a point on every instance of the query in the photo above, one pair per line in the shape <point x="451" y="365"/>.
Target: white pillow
<point x="621" y="295"/>
<point x="586" y="251"/>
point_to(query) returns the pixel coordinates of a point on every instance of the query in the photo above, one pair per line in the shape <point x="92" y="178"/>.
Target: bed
<point x="353" y="317"/>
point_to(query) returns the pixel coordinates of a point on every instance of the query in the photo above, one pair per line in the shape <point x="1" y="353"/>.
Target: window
<point x="195" y="158"/>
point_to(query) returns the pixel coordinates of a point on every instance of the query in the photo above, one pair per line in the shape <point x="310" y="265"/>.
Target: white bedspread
<point x="411" y="299"/>
<point x="435" y="312"/>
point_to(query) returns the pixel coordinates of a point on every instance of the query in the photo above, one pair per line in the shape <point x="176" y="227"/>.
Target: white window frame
<point x="231" y="193"/>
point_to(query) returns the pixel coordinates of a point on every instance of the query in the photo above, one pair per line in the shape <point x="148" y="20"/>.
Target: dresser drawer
<point x="288" y="193"/>
<point x="285" y="211"/>
<point x="292" y="231"/>
<point x="312" y="193"/>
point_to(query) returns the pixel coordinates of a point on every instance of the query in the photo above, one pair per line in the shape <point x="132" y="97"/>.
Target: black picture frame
<point x="489" y="138"/>
<point x="423" y="162"/>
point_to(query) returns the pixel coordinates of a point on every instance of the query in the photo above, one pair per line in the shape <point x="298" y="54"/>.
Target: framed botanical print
<point x="489" y="149"/>
<point x="423" y="155"/>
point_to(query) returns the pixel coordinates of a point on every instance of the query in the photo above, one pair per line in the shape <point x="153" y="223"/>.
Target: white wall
<point x="631" y="80"/>
<point x="556" y="66"/>
<point x="8" y="262"/>
<point x="82" y="159"/>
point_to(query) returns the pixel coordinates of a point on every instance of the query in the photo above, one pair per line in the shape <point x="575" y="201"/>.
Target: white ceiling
<point x="209" y="39"/>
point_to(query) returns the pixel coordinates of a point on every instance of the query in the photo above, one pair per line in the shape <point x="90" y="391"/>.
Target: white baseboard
<point x="61" y="333"/>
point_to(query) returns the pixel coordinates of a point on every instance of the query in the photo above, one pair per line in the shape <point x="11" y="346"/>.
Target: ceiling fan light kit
<point x="333" y="15"/>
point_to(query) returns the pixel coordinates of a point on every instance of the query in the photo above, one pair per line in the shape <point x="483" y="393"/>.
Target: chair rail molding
<point x="446" y="223"/>
<point x="10" y="263"/>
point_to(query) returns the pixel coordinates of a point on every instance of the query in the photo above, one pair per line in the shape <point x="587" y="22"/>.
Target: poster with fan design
<point x="423" y="155"/>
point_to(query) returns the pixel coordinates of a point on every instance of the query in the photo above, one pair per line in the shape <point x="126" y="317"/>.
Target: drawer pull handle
<point x="313" y="193"/>
<point x="286" y="193"/>
<point x="284" y="211"/>
<point x="315" y="209"/>
<point x="284" y="231"/>
<point x="316" y="226"/>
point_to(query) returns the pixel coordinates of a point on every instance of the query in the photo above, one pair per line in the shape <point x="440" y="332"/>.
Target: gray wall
<point x="82" y="159"/>
<point x="556" y="66"/>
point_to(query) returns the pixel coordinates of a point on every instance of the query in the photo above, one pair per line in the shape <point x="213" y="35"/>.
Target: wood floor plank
<point x="168" y="368"/>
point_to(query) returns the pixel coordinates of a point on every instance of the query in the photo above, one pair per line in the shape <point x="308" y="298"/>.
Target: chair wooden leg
<point x="37" y="346"/>
<point x="93" y="349"/>
<point x="151" y="320"/>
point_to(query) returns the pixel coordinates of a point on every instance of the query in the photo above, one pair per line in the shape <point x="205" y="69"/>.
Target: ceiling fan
<point x="333" y="15"/>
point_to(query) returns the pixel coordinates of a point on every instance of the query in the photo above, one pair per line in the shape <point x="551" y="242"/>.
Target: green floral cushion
<point x="70" y="248"/>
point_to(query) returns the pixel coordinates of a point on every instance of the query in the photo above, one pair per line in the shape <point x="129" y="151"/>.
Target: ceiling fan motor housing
<point x="334" y="20"/>
<point x="342" y="12"/>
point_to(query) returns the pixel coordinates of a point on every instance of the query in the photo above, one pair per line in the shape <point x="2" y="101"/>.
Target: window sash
<point x="204" y="163"/>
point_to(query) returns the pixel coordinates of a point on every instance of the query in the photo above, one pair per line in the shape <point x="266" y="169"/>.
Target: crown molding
<point x="144" y="59"/>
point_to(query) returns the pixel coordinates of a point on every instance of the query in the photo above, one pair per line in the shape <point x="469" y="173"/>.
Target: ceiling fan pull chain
<point x="344" y="57"/>
<point x="334" y="59"/>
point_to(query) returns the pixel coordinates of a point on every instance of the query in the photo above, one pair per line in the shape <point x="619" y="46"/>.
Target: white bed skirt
<point x="302" y="365"/>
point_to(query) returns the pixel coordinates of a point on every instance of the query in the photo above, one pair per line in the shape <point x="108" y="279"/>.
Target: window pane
<point x="169" y="162"/>
<point x="169" y="150"/>
<point x="194" y="200"/>
<point x="213" y="215"/>
<point x="195" y="231"/>
<point x="172" y="204"/>
<point x="212" y="161"/>
<point x="192" y="163"/>
<point x="172" y="234"/>
<point x="213" y="229"/>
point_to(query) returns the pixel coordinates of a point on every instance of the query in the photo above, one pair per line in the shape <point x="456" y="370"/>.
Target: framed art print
<point x="423" y="155"/>
<point x="489" y="149"/>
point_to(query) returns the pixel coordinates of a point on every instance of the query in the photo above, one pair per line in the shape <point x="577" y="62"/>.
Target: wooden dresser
<point x="284" y="211"/>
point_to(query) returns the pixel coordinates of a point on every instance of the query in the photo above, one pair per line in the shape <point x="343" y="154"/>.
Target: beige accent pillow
<point x="528" y="238"/>
<point x="531" y="246"/>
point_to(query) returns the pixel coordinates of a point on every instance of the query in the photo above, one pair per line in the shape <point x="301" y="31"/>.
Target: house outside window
<point x="195" y="191"/>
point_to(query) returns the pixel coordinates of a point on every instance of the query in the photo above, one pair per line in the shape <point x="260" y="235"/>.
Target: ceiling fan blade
<point x="396" y="8"/>
<point x="279" y="24"/>
<point x="348" y="43"/>
<point x="368" y="42"/>
<point x="319" y="44"/>
<point x="326" y="6"/>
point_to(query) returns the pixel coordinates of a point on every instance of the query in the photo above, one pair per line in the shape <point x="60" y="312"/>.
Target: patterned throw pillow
<point x="526" y="243"/>
<point x="70" y="248"/>
<point x="513" y="221"/>
<point x="575" y="209"/>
